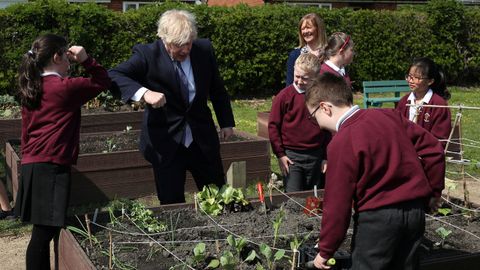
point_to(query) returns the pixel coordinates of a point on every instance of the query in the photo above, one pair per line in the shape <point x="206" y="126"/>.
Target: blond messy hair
<point x="308" y="62"/>
<point x="177" y="27"/>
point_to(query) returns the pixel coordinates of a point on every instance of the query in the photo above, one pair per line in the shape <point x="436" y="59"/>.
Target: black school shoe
<point x="7" y="215"/>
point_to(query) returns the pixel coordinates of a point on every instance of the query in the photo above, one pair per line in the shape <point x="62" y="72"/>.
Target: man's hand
<point x="320" y="262"/>
<point x="284" y="163"/>
<point x="155" y="99"/>
<point x="225" y="133"/>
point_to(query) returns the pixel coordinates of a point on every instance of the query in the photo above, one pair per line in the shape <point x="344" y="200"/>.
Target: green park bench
<point x="375" y="93"/>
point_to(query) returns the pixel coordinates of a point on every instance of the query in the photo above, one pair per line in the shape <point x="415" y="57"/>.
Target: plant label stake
<point x="196" y="202"/>
<point x="87" y="222"/>
<point x="261" y="197"/>
<point x="110" y="250"/>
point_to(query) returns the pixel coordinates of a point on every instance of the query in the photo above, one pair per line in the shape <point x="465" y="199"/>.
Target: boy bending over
<point x="392" y="170"/>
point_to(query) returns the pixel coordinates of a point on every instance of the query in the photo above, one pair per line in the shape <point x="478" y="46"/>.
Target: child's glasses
<point x="409" y="77"/>
<point x="312" y="117"/>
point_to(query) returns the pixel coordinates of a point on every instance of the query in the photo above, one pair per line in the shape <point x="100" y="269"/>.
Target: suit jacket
<point x="150" y="66"/>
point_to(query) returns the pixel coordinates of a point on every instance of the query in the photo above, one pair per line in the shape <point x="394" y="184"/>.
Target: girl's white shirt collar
<point x="426" y="99"/>
<point x="413" y="110"/>
<point x="347" y="115"/>
<point x="339" y="70"/>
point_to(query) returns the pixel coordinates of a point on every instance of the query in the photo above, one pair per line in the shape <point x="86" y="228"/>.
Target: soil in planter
<point x="113" y="142"/>
<point x="187" y="229"/>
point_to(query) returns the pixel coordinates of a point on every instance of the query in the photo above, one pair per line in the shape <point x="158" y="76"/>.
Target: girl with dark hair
<point x="51" y="102"/>
<point x="427" y="83"/>
<point x="336" y="55"/>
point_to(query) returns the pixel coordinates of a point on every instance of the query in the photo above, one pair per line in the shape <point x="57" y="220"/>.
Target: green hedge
<point x="252" y="44"/>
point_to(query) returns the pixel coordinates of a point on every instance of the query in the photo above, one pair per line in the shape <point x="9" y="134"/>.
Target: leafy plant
<point x="110" y="145"/>
<point x="443" y="233"/>
<point x="213" y="201"/>
<point x="276" y="224"/>
<point x="444" y="211"/>
<point x="271" y="257"/>
<point x="210" y="200"/>
<point x="144" y="218"/>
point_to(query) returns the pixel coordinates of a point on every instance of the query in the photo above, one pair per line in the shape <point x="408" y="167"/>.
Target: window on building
<point x="319" y="5"/>
<point x="127" y="5"/>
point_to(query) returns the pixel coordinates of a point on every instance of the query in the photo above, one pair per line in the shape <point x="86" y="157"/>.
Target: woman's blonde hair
<point x="177" y="27"/>
<point x="316" y="21"/>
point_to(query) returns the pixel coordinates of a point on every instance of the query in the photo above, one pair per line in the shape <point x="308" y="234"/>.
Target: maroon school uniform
<point x="50" y="133"/>
<point x="436" y="120"/>
<point x="378" y="158"/>
<point x="289" y="126"/>
<point x="326" y="68"/>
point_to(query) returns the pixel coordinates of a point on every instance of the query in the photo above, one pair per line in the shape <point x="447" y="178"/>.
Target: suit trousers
<point x="388" y="237"/>
<point x="170" y="176"/>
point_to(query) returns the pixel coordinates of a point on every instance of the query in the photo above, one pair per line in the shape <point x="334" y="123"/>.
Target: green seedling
<point x="444" y="211"/>
<point x="443" y="233"/>
<point x="271" y="258"/>
<point x="276" y="224"/>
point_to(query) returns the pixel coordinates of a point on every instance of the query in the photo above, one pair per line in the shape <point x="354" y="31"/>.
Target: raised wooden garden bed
<point x="105" y="121"/>
<point x="126" y="174"/>
<point x="73" y="256"/>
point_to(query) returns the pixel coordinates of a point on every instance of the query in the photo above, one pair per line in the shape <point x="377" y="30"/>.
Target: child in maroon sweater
<point x="51" y="102"/>
<point x="391" y="169"/>
<point x="427" y="83"/>
<point x="296" y="141"/>
<point x="337" y="54"/>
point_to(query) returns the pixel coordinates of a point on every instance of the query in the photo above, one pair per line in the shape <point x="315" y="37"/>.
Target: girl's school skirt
<point x="43" y="194"/>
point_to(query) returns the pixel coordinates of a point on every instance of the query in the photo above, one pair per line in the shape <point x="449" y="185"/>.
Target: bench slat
<point x="379" y="87"/>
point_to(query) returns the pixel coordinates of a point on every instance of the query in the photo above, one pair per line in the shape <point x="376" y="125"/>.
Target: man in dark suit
<point x="175" y="76"/>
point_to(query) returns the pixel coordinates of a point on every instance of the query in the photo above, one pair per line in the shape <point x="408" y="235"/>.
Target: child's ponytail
<point x="32" y="65"/>
<point x="337" y="42"/>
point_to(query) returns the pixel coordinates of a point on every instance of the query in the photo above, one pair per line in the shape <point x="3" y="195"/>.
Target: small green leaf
<point x="251" y="256"/>
<point x="279" y="254"/>
<point x="213" y="264"/>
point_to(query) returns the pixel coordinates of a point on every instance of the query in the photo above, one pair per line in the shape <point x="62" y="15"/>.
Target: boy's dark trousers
<point x="388" y="237"/>
<point x="306" y="170"/>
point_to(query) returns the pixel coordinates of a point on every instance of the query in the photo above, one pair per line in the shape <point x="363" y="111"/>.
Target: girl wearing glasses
<point x="337" y="54"/>
<point x="427" y="83"/>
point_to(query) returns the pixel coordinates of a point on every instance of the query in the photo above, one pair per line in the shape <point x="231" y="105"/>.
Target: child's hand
<point x="77" y="54"/>
<point x="284" y="163"/>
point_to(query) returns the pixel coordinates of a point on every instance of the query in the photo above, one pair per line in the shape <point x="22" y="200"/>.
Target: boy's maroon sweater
<point x="51" y="132"/>
<point x="289" y="126"/>
<point x="377" y="158"/>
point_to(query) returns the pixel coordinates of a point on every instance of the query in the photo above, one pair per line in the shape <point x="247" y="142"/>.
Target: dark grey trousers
<point x="388" y="238"/>
<point x="305" y="172"/>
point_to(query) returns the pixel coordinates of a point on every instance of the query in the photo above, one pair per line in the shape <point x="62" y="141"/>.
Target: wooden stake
<point x="294" y="259"/>
<point x="110" y="249"/>
<point x="87" y="222"/>
<point x="196" y="202"/>
<point x="217" y="246"/>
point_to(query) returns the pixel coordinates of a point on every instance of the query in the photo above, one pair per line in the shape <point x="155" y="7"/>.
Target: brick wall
<point x="234" y="2"/>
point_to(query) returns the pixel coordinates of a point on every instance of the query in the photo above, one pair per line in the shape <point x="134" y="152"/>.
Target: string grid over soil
<point x="187" y="228"/>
